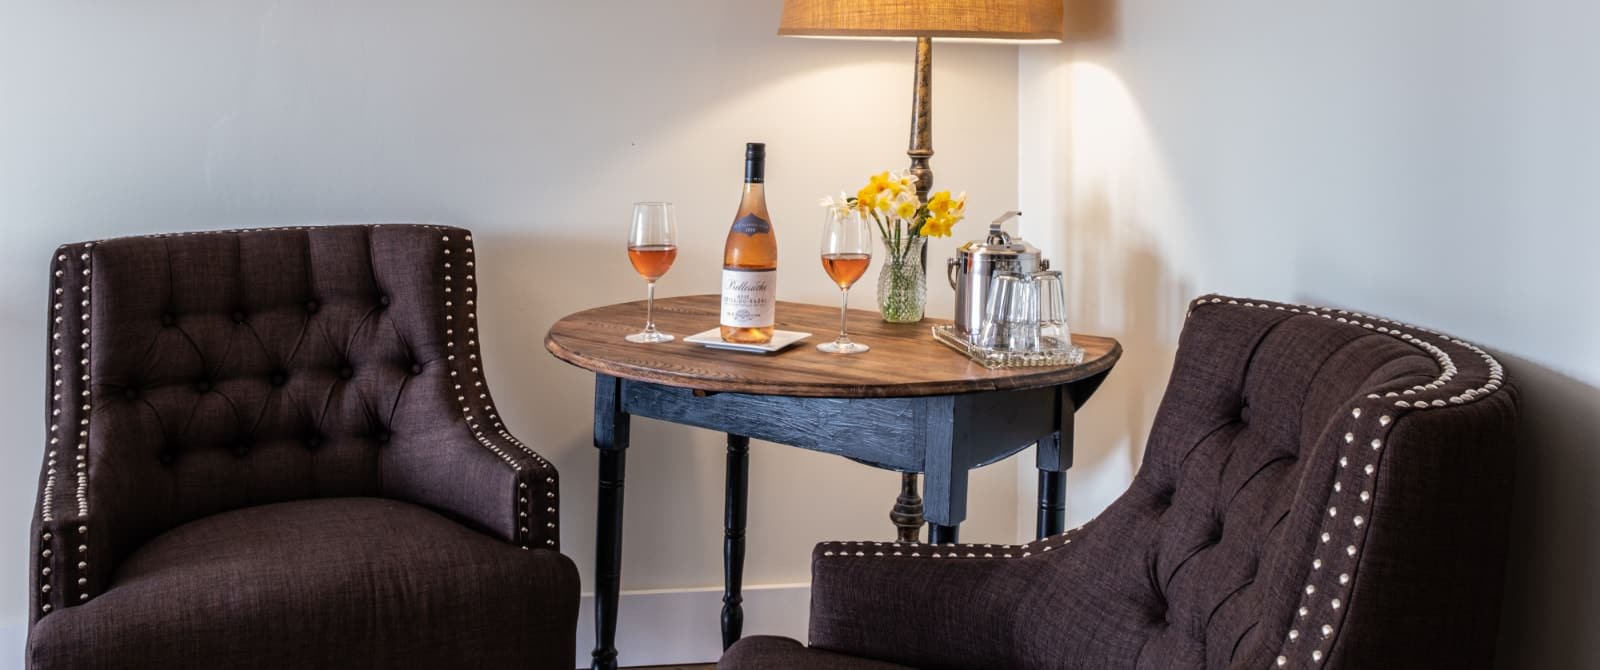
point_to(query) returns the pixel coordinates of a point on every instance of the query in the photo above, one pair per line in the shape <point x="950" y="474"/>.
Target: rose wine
<point x="750" y="260"/>
<point x="845" y="269"/>
<point x="652" y="260"/>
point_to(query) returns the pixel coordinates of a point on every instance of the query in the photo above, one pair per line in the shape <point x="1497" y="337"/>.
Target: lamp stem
<point x="922" y="118"/>
<point x="907" y="514"/>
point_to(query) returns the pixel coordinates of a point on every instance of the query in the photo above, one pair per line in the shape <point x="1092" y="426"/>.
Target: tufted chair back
<point x="233" y="369"/>
<point x="1320" y="488"/>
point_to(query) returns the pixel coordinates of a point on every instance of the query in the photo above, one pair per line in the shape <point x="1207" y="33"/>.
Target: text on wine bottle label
<point x="749" y="298"/>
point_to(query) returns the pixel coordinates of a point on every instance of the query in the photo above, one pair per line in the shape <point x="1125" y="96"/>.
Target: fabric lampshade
<point x="1007" y="20"/>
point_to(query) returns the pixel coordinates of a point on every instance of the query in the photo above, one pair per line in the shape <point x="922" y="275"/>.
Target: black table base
<point x="942" y="437"/>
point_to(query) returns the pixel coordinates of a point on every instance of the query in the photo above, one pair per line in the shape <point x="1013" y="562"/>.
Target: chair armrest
<point x="64" y="575"/>
<point x="478" y="470"/>
<point x="489" y="480"/>
<point x="928" y="606"/>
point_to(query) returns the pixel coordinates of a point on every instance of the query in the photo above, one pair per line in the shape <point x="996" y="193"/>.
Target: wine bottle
<point x="750" y="260"/>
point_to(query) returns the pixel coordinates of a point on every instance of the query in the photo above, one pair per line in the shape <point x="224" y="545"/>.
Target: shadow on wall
<point x="1121" y="240"/>
<point x="1552" y="581"/>
<point x="1119" y="275"/>
<point x="550" y="403"/>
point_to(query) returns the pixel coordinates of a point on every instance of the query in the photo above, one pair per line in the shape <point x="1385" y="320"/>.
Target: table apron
<point x="972" y="429"/>
<point x="878" y="431"/>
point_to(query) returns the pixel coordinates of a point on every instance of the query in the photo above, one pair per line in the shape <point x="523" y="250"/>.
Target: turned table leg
<point x="735" y="507"/>
<point x="907" y="512"/>
<point x="1052" y="503"/>
<point x="1053" y="457"/>
<point x="611" y="438"/>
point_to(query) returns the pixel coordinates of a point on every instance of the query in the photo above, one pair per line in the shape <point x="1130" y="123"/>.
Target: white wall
<point x="534" y="123"/>
<point x="1436" y="161"/>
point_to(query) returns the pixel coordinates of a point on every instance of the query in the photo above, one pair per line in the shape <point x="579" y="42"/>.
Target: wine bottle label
<point x="751" y="224"/>
<point x="749" y="298"/>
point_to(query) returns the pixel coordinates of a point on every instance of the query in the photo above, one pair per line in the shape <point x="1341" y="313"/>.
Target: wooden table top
<point x="904" y="361"/>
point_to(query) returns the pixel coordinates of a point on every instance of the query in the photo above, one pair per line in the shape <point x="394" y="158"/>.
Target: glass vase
<point x="902" y="281"/>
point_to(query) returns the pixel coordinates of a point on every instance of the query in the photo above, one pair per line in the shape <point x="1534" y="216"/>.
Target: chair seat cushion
<point x="324" y="583"/>
<point x="763" y="652"/>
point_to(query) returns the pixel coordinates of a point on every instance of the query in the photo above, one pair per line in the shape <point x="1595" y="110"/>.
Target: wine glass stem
<point x="649" y="307"/>
<point x="844" y="311"/>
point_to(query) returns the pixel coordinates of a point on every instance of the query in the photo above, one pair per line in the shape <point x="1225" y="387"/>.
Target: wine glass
<point x="652" y="246"/>
<point x="846" y="253"/>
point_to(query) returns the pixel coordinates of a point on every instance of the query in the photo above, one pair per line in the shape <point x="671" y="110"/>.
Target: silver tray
<point x="1053" y="353"/>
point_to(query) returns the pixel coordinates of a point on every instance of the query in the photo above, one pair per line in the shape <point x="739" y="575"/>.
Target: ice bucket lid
<point x="999" y="245"/>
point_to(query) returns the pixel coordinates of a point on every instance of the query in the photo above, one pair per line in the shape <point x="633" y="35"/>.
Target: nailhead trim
<point x="477" y="408"/>
<point x="67" y="372"/>
<point x="948" y="551"/>
<point x="1433" y="395"/>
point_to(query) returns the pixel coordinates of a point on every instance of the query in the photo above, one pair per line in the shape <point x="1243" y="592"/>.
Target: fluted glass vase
<point x="902" y="280"/>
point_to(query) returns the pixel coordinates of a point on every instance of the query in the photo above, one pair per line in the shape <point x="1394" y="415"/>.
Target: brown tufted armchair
<point x="275" y="449"/>
<point x="1321" y="489"/>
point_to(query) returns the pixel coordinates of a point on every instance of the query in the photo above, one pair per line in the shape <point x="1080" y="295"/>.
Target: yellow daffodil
<point x="905" y="209"/>
<point x="891" y="199"/>
<point x="883" y="203"/>
<point x="866" y="196"/>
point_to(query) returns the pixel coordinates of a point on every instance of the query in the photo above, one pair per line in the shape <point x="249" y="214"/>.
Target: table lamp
<point x="1000" y="21"/>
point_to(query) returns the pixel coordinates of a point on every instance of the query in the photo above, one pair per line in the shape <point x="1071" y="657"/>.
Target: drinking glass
<point x="846" y="253"/>
<point x="652" y="246"/>
<point x="1023" y="324"/>
<point x="1053" y="330"/>
<point x="1011" y="315"/>
<point x="993" y="333"/>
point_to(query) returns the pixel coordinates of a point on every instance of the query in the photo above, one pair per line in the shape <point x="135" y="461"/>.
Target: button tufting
<point x="238" y="317"/>
<point x="241" y="450"/>
<point x="202" y="387"/>
<point x="278" y="378"/>
<point x="312" y="306"/>
<point x="167" y="456"/>
<point x="416" y="369"/>
<point x="382" y="437"/>
<point x="383" y="300"/>
<point x="347" y="372"/>
<point x="313" y="442"/>
<point x="131" y="393"/>
<point x="168" y="320"/>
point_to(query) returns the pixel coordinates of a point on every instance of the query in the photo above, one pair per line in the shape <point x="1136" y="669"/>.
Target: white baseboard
<point x="677" y="626"/>
<point x="665" y="627"/>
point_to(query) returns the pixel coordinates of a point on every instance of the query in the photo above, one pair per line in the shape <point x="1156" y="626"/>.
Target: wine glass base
<point x="843" y="348"/>
<point x="649" y="338"/>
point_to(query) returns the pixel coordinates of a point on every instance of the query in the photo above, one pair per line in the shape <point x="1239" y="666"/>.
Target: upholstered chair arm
<point x="69" y="554"/>
<point x="490" y="481"/>
<point x="478" y="471"/>
<point x="63" y="574"/>
<point x="926" y="606"/>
